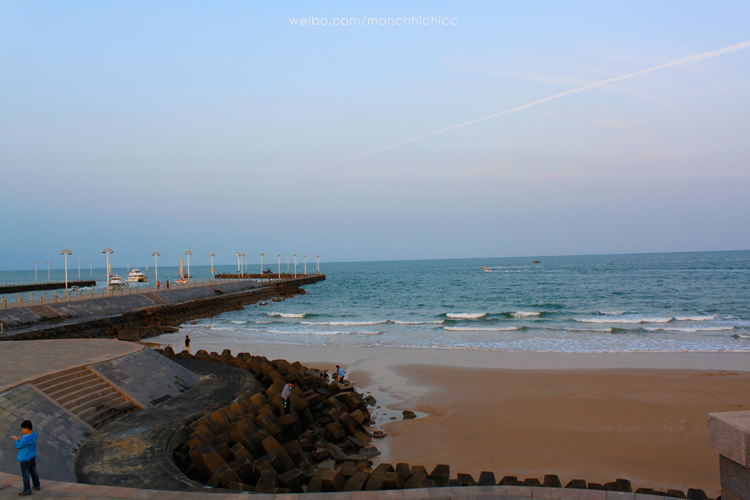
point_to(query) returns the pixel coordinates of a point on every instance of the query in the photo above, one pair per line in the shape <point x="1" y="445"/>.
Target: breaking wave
<point x="399" y="322"/>
<point x="321" y="332"/>
<point x="481" y="329"/>
<point x="696" y="318"/>
<point x="345" y="323"/>
<point x="689" y="329"/>
<point x="465" y="315"/>
<point x="625" y="321"/>
<point x="525" y="314"/>
<point x="286" y="315"/>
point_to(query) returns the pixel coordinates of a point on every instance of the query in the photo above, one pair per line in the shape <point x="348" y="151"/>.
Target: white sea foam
<point x="399" y="322"/>
<point x="465" y="315"/>
<point x="479" y="329"/>
<point x="696" y="318"/>
<point x="345" y="323"/>
<point x="612" y="313"/>
<point x="741" y="336"/>
<point x="688" y="328"/>
<point x="525" y="314"/>
<point x="320" y="332"/>
<point x="286" y="315"/>
<point x="625" y="321"/>
<point x="239" y="322"/>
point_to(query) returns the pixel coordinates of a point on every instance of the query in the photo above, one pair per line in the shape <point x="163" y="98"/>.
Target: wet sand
<point x="648" y="426"/>
<point x="599" y="417"/>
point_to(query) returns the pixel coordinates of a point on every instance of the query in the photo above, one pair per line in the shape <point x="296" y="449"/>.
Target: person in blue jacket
<point x="26" y="446"/>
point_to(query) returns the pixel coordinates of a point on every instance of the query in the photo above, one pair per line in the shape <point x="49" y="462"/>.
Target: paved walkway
<point x="133" y="451"/>
<point x="22" y="361"/>
<point x="69" y="491"/>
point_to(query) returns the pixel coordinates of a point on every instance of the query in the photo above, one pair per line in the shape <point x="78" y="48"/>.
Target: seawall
<point x="150" y="313"/>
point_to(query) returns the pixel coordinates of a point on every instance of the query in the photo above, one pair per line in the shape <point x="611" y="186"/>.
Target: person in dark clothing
<point x="286" y="393"/>
<point x="187" y="343"/>
<point x="26" y="446"/>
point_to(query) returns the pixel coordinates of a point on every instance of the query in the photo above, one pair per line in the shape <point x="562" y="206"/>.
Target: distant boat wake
<point x="697" y="57"/>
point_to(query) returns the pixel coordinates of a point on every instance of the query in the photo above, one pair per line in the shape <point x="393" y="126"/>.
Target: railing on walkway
<point x="79" y="295"/>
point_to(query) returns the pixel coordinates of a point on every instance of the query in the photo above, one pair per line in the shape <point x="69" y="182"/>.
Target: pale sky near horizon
<point x="221" y="126"/>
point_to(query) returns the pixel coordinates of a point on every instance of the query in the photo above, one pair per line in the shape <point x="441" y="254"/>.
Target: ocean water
<point x="609" y="303"/>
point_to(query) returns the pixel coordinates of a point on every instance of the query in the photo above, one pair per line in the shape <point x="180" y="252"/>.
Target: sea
<point x="666" y="302"/>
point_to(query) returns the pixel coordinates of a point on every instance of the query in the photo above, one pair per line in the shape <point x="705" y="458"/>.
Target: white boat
<point x="136" y="276"/>
<point x="116" y="283"/>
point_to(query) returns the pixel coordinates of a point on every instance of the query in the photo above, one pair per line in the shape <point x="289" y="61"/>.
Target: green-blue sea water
<point x="648" y="302"/>
<point x="644" y="302"/>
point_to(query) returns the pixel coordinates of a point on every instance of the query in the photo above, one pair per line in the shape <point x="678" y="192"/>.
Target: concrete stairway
<point x="86" y="395"/>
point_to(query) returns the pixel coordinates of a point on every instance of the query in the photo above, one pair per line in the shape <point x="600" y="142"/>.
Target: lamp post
<point x="317" y="264"/>
<point x="295" y="265"/>
<point x="261" y="266"/>
<point x="212" y="264"/>
<point x="244" y="269"/>
<point x="287" y="264"/>
<point x="79" y="262"/>
<point x="91" y="269"/>
<point x="238" y="263"/>
<point x="65" y="252"/>
<point x="107" y="251"/>
<point x="189" y="253"/>
<point x="156" y="254"/>
<point x="279" y="259"/>
<point x="48" y="263"/>
<point x="305" y="265"/>
<point x="35" y="263"/>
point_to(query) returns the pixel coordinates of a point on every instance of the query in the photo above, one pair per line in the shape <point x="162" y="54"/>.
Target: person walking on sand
<point x="26" y="446"/>
<point x="158" y="284"/>
<point x="187" y="343"/>
<point x="340" y="373"/>
<point x="286" y="393"/>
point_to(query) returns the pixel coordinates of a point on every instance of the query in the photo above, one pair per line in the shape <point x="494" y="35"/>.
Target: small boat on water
<point x="483" y="267"/>
<point x="117" y="283"/>
<point x="136" y="276"/>
<point x="535" y="262"/>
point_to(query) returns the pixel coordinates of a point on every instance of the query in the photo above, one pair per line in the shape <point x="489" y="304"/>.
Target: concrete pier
<point x="91" y="315"/>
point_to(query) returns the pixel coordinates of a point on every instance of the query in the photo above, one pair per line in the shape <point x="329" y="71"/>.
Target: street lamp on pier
<point x="65" y="252"/>
<point x="261" y="266"/>
<point x="48" y="263"/>
<point x="156" y="255"/>
<point x="107" y="251"/>
<point x="189" y="253"/>
<point x="212" y="264"/>
<point x="91" y="270"/>
<point x="295" y="265"/>
<point x="238" y="263"/>
<point x="279" y="259"/>
<point x="79" y="262"/>
<point x="287" y="264"/>
<point x="35" y="263"/>
<point x="317" y="264"/>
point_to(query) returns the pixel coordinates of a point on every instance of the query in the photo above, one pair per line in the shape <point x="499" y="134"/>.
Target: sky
<point x="222" y="126"/>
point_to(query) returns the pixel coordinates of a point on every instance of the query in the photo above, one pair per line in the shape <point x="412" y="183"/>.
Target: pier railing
<point x="78" y="295"/>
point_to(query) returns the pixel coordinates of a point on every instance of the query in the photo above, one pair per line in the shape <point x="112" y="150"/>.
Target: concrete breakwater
<point x="139" y="316"/>
<point x="49" y="285"/>
<point x="322" y="443"/>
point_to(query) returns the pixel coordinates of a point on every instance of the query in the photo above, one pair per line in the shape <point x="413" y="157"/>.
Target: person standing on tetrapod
<point x="286" y="394"/>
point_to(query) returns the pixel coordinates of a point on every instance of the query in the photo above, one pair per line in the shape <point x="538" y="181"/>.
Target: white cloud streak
<point x="693" y="58"/>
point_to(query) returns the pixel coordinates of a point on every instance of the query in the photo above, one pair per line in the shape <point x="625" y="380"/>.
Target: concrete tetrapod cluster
<point x="321" y="445"/>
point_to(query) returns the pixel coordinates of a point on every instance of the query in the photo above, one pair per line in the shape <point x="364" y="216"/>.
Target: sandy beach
<point x="599" y="417"/>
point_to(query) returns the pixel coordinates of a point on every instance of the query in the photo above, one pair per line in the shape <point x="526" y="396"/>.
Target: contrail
<point x="697" y="57"/>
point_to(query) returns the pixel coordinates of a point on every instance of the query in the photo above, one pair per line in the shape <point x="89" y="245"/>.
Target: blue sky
<point x="221" y="126"/>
